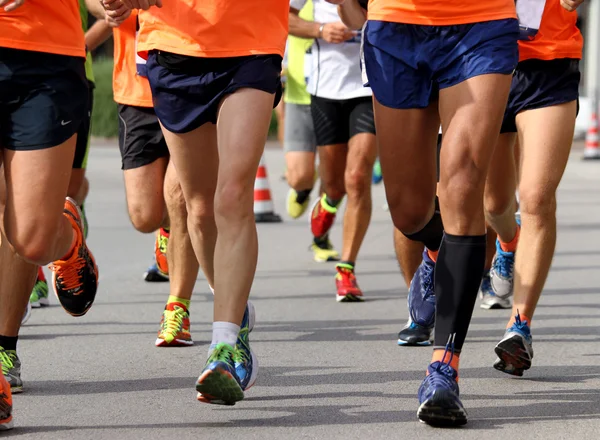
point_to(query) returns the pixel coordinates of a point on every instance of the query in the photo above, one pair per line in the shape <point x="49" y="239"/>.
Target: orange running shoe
<point x="347" y="287"/>
<point x="160" y="251"/>
<point x="6" y="421"/>
<point x="174" y="327"/>
<point x="322" y="218"/>
<point x="75" y="280"/>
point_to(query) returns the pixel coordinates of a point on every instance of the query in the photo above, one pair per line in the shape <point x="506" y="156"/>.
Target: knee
<point x="33" y="241"/>
<point x="300" y="179"/>
<point x="410" y="214"/>
<point x="463" y="189"/>
<point x="358" y="181"/>
<point x="175" y="200"/>
<point x="234" y="201"/>
<point x="146" y="218"/>
<point x="497" y="204"/>
<point x="537" y="202"/>
<point x="200" y="215"/>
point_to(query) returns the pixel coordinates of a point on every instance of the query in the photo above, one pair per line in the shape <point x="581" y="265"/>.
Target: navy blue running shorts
<point x="187" y="91"/>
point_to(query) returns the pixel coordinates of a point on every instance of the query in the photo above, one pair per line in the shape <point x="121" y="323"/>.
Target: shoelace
<point x="69" y="274"/>
<point x="504" y="265"/>
<point x="347" y="277"/>
<point x="163" y="243"/>
<point x="173" y="321"/>
<point x="521" y="325"/>
<point x="446" y="378"/>
<point x="6" y="361"/>
<point x="223" y="353"/>
<point x="242" y="355"/>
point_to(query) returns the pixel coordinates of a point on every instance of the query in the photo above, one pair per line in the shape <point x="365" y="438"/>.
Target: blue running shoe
<point x="515" y="350"/>
<point x="377" y="174"/>
<point x="153" y="275"/>
<point x="421" y="294"/>
<point x="489" y="300"/>
<point x="413" y="335"/>
<point x="439" y="400"/>
<point x="502" y="272"/>
<point x="246" y="364"/>
<point x="219" y="383"/>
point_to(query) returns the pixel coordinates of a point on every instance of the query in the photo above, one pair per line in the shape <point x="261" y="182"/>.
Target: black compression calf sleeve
<point x="431" y="235"/>
<point x="458" y="273"/>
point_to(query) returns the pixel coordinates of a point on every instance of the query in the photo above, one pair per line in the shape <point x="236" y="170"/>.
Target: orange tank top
<point x="557" y="37"/>
<point x="44" y="26"/>
<point x="441" y="12"/>
<point x="215" y="28"/>
<point x="129" y="88"/>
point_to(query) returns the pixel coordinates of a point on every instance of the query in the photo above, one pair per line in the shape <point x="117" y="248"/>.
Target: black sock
<point x="458" y="272"/>
<point x="331" y="202"/>
<point x="431" y="235"/>
<point x="301" y="196"/>
<point x="8" y="342"/>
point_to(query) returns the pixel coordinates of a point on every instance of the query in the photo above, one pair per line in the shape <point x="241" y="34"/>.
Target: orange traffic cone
<point x="264" y="210"/>
<point x="592" y="148"/>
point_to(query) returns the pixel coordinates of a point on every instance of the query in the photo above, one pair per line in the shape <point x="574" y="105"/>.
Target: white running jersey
<point x="332" y="71"/>
<point x="530" y="16"/>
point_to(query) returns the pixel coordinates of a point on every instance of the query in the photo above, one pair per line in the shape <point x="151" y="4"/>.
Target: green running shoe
<point x="39" y="295"/>
<point x="11" y="369"/>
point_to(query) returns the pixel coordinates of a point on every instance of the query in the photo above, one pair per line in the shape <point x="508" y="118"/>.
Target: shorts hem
<point x="474" y="75"/>
<point x="139" y="164"/>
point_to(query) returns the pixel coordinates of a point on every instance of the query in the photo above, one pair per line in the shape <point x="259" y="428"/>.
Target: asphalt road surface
<point x="328" y="370"/>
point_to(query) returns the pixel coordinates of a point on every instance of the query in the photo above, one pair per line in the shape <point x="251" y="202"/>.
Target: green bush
<point x="105" y="121"/>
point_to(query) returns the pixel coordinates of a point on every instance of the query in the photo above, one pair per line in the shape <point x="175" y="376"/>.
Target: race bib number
<point x="530" y="14"/>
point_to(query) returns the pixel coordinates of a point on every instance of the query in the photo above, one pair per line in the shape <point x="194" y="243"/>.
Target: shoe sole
<point x="349" y="298"/>
<point x="6" y="425"/>
<point x="16" y="390"/>
<point x="218" y="387"/>
<point x="155" y="277"/>
<point x="175" y="343"/>
<point x="441" y="410"/>
<point x="513" y="357"/>
<point x="326" y="260"/>
<point x="403" y="343"/>
<point x="494" y="306"/>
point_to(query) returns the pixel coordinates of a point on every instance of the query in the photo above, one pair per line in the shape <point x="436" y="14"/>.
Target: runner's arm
<point x="302" y="28"/>
<point x="97" y="34"/>
<point x="95" y="8"/>
<point x="352" y="14"/>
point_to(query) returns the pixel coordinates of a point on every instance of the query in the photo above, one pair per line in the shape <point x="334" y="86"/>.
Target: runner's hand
<point x="115" y="12"/>
<point x="336" y="33"/>
<point x="11" y="5"/>
<point x="143" y="4"/>
<point x="570" y="5"/>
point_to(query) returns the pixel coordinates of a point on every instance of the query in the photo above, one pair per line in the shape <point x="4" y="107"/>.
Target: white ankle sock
<point x="225" y="332"/>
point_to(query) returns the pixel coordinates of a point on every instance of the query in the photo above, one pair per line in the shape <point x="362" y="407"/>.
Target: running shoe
<point x="26" y="314"/>
<point x="439" y="399"/>
<point x="39" y="294"/>
<point x="153" y="275"/>
<point x="414" y="334"/>
<point x="11" y="369"/>
<point x="322" y="217"/>
<point x="347" y="287"/>
<point x="160" y="251"/>
<point x="323" y="250"/>
<point x="75" y="280"/>
<point x="377" y="175"/>
<point x="502" y="272"/>
<point x="246" y="364"/>
<point x="515" y="350"/>
<point x="489" y="300"/>
<point x="219" y="383"/>
<point x="6" y="421"/>
<point x="174" y="327"/>
<point x="295" y="209"/>
<point x="421" y="294"/>
<point x="85" y="222"/>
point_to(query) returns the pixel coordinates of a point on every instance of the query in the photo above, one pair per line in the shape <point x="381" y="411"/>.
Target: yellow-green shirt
<point x="89" y="72"/>
<point x="295" y="86"/>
